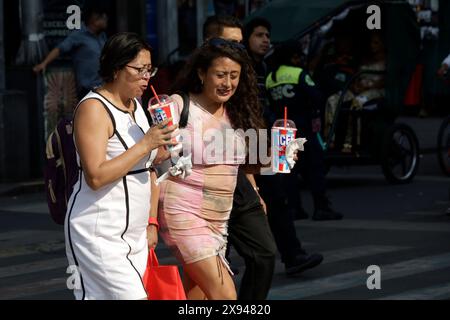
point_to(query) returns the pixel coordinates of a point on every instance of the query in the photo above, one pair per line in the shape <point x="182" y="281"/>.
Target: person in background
<point x="366" y="88"/>
<point x="257" y="40"/>
<point x="295" y="258"/>
<point x="85" y="47"/>
<point x="248" y="228"/>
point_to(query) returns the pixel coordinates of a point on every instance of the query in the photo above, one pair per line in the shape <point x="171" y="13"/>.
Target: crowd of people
<point x="117" y="211"/>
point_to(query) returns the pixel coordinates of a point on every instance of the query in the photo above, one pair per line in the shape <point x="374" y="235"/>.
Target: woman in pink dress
<point x="194" y="213"/>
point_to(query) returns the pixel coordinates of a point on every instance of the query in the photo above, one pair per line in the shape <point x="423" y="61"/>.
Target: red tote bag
<point x="413" y="96"/>
<point x="162" y="282"/>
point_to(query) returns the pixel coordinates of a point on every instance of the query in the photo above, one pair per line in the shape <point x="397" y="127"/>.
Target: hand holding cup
<point x="160" y="135"/>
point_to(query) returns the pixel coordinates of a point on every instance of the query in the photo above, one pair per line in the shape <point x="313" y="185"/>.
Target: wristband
<point x="153" y="221"/>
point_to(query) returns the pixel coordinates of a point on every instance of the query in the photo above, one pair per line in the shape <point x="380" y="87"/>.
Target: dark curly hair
<point x="243" y="108"/>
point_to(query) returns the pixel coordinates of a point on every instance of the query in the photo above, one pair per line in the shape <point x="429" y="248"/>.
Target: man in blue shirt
<point x="85" y="47"/>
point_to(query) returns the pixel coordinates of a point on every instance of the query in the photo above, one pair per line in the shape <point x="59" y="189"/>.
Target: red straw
<point x="285" y="117"/>
<point x="156" y="95"/>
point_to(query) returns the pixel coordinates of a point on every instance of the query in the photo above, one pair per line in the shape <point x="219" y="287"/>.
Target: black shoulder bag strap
<point x="185" y="112"/>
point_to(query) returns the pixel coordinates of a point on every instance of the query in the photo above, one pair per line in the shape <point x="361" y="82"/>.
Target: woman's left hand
<point x="152" y="236"/>
<point x="162" y="155"/>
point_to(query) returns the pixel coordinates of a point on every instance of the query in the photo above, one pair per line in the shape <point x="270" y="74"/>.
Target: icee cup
<point x="164" y="109"/>
<point x="282" y="135"/>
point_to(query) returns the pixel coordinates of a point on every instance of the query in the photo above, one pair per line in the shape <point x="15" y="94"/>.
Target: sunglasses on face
<point x="217" y="42"/>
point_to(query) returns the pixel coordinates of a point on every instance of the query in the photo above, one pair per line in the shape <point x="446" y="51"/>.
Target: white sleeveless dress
<point x="105" y="230"/>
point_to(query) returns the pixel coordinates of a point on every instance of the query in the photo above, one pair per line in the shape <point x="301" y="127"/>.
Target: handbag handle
<point x="184" y="117"/>
<point x="152" y="259"/>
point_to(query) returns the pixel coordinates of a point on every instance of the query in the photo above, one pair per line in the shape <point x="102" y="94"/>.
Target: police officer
<point x="291" y="86"/>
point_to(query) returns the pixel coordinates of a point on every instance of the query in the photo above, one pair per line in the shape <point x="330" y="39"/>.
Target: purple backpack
<point x="61" y="169"/>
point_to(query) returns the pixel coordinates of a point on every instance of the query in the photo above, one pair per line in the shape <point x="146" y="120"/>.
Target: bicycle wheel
<point x="443" y="145"/>
<point x="400" y="154"/>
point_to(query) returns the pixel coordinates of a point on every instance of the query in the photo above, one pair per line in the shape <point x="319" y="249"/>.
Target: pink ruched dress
<point x="194" y="213"/>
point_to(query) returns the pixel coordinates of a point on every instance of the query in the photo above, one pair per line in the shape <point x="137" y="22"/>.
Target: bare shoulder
<point x="91" y="108"/>
<point x="92" y="114"/>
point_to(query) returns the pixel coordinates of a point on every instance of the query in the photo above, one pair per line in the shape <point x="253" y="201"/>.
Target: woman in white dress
<point x="107" y="224"/>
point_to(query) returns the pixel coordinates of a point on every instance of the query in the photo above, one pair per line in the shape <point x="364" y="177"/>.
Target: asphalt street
<point x="402" y="229"/>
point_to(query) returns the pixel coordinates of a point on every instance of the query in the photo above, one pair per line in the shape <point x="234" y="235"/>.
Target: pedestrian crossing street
<point x="33" y="264"/>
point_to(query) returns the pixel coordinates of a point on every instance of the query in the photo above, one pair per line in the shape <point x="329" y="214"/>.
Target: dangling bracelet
<point x="153" y="221"/>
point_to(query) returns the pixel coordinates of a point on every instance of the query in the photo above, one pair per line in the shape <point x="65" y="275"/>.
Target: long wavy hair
<point x="243" y="108"/>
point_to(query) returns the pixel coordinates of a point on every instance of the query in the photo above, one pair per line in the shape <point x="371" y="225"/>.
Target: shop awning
<point x="289" y="17"/>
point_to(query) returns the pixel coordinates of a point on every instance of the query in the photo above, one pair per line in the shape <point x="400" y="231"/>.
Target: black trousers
<point x="311" y="166"/>
<point x="281" y="192"/>
<point x="250" y="234"/>
<point x="275" y="193"/>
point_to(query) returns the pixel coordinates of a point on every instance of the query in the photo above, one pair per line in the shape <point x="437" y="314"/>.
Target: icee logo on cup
<point x="160" y="115"/>
<point x="283" y="133"/>
<point x="285" y="139"/>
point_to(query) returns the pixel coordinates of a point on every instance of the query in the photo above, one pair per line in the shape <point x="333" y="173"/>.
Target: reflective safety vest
<point x="285" y="75"/>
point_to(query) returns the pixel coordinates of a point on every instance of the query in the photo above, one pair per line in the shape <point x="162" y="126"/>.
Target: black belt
<point x="139" y="171"/>
<point x="131" y="172"/>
